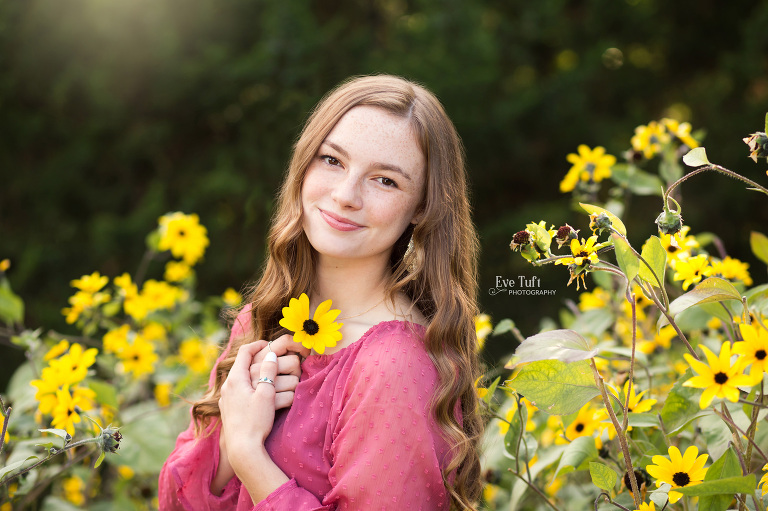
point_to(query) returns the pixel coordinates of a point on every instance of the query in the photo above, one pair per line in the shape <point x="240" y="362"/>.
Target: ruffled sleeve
<point x="185" y="479"/>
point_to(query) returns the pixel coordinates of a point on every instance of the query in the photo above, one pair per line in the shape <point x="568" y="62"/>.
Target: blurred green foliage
<point x="116" y="112"/>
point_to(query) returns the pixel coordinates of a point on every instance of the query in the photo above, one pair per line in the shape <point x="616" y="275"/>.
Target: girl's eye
<point x="330" y="160"/>
<point x="386" y="182"/>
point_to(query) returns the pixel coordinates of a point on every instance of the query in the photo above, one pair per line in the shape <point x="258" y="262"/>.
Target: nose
<point x="347" y="192"/>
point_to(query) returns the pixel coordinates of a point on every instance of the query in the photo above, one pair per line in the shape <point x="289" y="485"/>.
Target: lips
<point x="339" y="222"/>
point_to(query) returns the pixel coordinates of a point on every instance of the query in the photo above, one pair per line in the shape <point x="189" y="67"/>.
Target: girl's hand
<point x="288" y="368"/>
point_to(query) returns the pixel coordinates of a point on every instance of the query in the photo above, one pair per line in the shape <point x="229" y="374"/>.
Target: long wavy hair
<point x="439" y="273"/>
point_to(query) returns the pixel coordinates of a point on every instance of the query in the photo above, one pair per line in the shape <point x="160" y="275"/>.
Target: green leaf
<point x="628" y="261"/>
<point x="642" y="420"/>
<point x="635" y="180"/>
<point x="563" y="345"/>
<point x="765" y="130"/>
<point x="726" y="486"/>
<point x="594" y="321"/>
<point x="558" y="388"/>
<point x="106" y="393"/>
<point x="758" y="242"/>
<point x="725" y="467"/>
<point x="11" y="306"/>
<point x="603" y="476"/>
<point x="654" y="254"/>
<point x="580" y="451"/>
<point x="12" y="467"/>
<point x="99" y="460"/>
<point x="696" y="157"/>
<point x="713" y="289"/>
<point x="512" y="439"/>
<point x="504" y="326"/>
<point x="489" y="395"/>
<point x="617" y="223"/>
<point x="58" y="432"/>
<point x="679" y="408"/>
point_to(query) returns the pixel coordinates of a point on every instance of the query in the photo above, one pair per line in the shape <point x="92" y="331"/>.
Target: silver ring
<point x="269" y="346"/>
<point x="264" y="379"/>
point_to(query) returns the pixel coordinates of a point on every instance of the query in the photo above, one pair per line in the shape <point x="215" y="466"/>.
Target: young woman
<point x="373" y="215"/>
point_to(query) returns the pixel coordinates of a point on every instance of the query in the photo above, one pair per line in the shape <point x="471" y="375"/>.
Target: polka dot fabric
<point x="359" y="435"/>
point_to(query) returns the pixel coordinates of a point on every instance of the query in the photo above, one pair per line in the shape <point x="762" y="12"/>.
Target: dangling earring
<point x="411" y="258"/>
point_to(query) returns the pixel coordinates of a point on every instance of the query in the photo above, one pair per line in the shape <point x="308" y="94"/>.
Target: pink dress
<point x="359" y="435"/>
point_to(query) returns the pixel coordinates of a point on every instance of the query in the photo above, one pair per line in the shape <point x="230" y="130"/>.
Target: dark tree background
<point x="114" y="113"/>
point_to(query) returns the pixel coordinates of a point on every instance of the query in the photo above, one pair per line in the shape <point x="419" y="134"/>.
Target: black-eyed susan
<point x="754" y="347"/>
<point x="138" y="357"/>
<point x="681" y="131"/>
<point x="647" y="506"/>
<point x="183" y="236"/>
<point x="764" y="480"/>
<point x="650" y="139"/>
<point x="586" y="423"/>
<point x="318" y="332"/>
<point x="721" y="378"/>
<point x="691" y="270"/>
<point x="588" y="165"/>
<point x="583" y="254"/>
<point x="732" y="269"/>
<point x="636" y="403"/>
<point x="679" y="470"/>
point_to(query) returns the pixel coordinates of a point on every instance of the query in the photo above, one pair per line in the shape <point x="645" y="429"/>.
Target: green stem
<point x="679" y="332"/>
<point x="620" y="434"/>
<point x="6" y="419"/>
<point x="716" y="168"/>
<point x="642" y="259"/>
<point x="733" y="425"/>
<point x="610" y="501"/>
<point x="752" y="429"/>
<point x="534" y="488"/>
<point x="6" y="480"/>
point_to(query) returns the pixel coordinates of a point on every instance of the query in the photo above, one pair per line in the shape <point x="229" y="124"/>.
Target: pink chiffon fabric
<point x="359" y="435"/>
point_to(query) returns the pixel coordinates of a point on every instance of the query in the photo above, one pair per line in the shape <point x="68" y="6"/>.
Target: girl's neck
<point x="353" y="286"/>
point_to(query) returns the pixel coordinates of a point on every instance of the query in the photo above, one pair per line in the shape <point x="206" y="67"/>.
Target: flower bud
<point x="669" y="222"/>
<point x="109" y="441"/>
<point x="520" y="239"/>
<point x="599" y="222"/>
<point x="758" y="145"/>
<point x="565" y="234"/>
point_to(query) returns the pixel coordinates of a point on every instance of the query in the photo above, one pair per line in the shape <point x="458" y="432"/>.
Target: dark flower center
<point x="681" y="479"/>
<point x="721" y="378"/>
<point x="579" y="428"/>
<point x="564" y="232"/>
<point x="672" y="249"/>
<point x="311" y="327"/>
<point x="182" y="233"/>
<point x="760" y="354"/>
<point x="521" y="237"/>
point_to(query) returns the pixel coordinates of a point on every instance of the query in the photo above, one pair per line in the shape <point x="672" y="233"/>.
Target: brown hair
<point x="439" y="274"/>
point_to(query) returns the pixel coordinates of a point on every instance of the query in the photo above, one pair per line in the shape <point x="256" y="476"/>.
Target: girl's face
<point x="364" y="186"/>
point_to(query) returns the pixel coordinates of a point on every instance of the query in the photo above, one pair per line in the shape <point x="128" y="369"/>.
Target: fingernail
<point x="271" y="357"/>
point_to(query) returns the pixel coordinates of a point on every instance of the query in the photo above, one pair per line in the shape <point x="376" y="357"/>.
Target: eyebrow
<point x="378" y="165"/>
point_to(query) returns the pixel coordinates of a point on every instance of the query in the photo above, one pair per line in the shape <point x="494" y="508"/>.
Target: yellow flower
<point x="732" y="269"/>
<point x="754" y="347"/>
<point x="649" y="139"/>
<point x="138" y="357"/>
<point x="764" y="480"/>
<point x="597" y="299"/>
<point x="198" y="355"/>
<point x="177" y="271"/>
<point x="586" y="423"/>
<point x="582" y="252"/>
<point x="57" y="350"/>
<point x="74" y="488"/>
<point x="116" y="339"/>
<point x="692" y="269"/>
<point x="232" y="297"/>
<point x="317" y="333"/>
<point x="650" y="506"/>
<point x="718" y="379"/>
<point x="2" y="424"/>
<point x="510" y="416"/>
<point x="483" y="327"/>
<point x="587" y="165"/>
<point x="73" y="365"/>
<point x="679" y="245"/>
<point x="681" y="130"/>
<point x="4" y="265"/>
<point x="126" y="286"/>
<point x="90" y="284"/>
<point x="163" y="393"/>
<point x="160" y="295"/>
<point x="83" y="301"/>
<point x="678" y="470"/>
<point x="66" y="412"/>
<point x="125" y="471"/>
<point x="636" y="402"/>
<point x="183" y="236"/>
<point x="154" y="331"/>
<point x="481" y="391"/>
<point x="663" y="340"/>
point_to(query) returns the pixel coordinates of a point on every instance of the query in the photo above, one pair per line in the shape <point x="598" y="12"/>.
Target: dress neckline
<point x="368" y="333"/>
